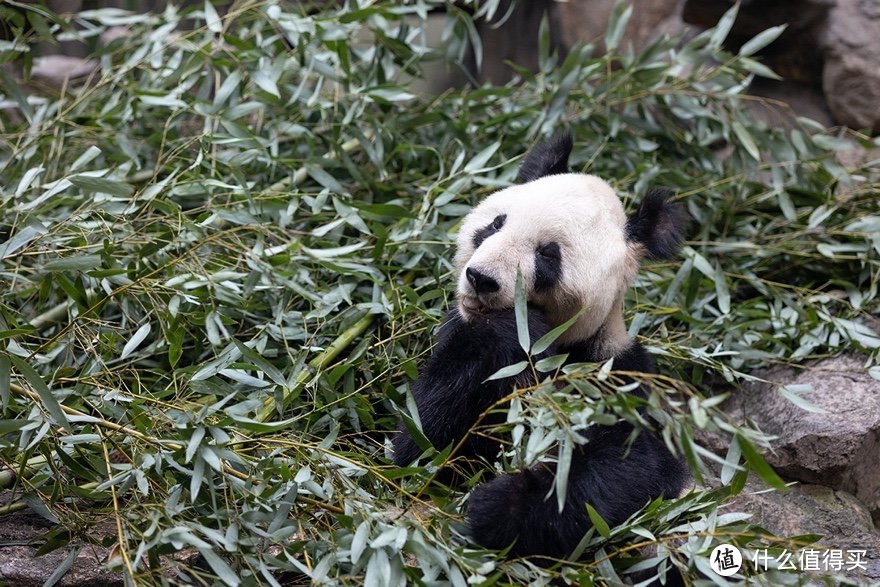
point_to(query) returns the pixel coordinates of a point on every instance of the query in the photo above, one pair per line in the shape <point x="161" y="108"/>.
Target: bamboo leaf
<point x="101" y="185"/>
<point x="46" y="396"/>
<point x="757" y="464"/>
<point x="550" y="364"/>
<point x="620" y="16"/>
<point x="139" y="336"/>
<point x="598" y="522"/>
<point x="731" y="462"/>
<point x="509" y="371"/>
<point x="543" y="343"/>
<point x="5" y="370"/>
<point x="521" y="312"/>
<point x="563" y="467"/>
<point x="722" y="29"/>
<point x="212" y="19"/>
<point x="219" y="566"/>
<point x="478" y="162"/>
<point x="11" y="86"/>
<point x="761" y="40"/>
<point x="746" y="139"/>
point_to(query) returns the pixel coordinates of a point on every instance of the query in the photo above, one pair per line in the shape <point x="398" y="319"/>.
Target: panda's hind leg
<point x="521" y="510"/>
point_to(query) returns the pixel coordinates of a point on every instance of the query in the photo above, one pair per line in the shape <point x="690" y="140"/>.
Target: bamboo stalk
<point x="12" y="507"/>
<point x="51" y="315"/>
<point x="323" y="359"/>
<point x="7" y="476"/>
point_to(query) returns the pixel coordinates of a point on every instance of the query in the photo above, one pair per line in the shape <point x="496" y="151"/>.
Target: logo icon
<point x="725" y="560"/>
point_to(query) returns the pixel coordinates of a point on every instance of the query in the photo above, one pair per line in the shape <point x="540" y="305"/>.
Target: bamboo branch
<point x="58" y="312"/>
<point x="170" y="444"/>
<point x="323" y="359"/>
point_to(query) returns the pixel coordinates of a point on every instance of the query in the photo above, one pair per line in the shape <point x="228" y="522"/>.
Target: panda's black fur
<point x="614" y="475"/>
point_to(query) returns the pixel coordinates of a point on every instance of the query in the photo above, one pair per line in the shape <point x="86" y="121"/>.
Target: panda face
<point x="566" y="234"/>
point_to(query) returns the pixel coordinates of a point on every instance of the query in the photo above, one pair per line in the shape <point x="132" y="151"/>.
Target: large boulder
<point x="588" y="21"/>
<point x="21" y="534"/>
<point x="851" y="77"/>
<point x="843" y="522"/>
<point x="796" y="55"/>
<point x="839" y="447"/>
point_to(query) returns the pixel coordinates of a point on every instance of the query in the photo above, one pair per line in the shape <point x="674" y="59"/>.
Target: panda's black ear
<point x="549" y="157"/>
<point x="658" y="224"/>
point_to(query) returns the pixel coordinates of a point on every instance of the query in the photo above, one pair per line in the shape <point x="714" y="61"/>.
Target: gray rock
<point x="842" y="520"/>
<point x="20" y="537"/>
<point x="20" y="567"/>
<point x="588" y="21"/>
<point x="796" y="55"/>
<point x="833" y="45"/>
<point x="852" y="89"/>
<point x="839" y="448"/>
<point x="851" y="77"/>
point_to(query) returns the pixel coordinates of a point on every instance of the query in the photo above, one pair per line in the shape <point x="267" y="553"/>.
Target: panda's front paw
<point x="497" y="510"/>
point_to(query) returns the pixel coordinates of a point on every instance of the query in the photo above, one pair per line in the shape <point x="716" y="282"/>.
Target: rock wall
<point x="839" y="444"/>
<point x="833" y="452"/>
<point x="841" y="519"/>
<point x="587" y="21"/>
<point x="829" y="56"/>
<point x="851" y="77"/>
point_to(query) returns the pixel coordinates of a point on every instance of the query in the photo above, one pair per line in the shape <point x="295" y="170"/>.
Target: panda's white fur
<point x="576" y="248"/>
<point x="581" y="213"/>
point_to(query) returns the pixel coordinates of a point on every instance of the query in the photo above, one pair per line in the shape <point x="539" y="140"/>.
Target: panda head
<point x="568" y="235"/>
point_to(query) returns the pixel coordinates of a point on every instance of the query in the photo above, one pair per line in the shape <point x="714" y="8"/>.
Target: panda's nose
<point x="481" y="282"/>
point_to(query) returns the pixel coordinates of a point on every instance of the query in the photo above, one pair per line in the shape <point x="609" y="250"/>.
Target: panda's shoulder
<point x="636" y="358"/>
<point x="633" y="357"/>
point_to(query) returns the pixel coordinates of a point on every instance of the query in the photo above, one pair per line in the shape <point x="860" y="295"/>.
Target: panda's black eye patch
<point x="488" y="230"/>
<point x="548" y="266"/>
<point x="549" y="251"/>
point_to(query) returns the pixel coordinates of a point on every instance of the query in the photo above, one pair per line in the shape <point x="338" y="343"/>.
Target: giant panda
<point x="569" y="237"/>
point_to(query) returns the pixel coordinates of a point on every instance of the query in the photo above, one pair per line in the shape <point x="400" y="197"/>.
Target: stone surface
<point x="796" y="55"/>
<point x="851" y="78"/>
<point x="514" y="39"/>
<point x="20" y="537"/>
<point x="835" y="43"/>
<point x="588" y="21"/>
<point x="19" y="567"/>
<point x="839" y="448"/>
<point x="787" y="100"/>
<point x="843" y="521"/>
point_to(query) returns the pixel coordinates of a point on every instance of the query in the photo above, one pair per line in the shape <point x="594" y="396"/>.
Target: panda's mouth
<point x="472" y="305"/>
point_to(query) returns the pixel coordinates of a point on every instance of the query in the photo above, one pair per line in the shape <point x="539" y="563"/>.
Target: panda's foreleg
<point x="452" y="392"/>
<point x="522" y="510"/>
